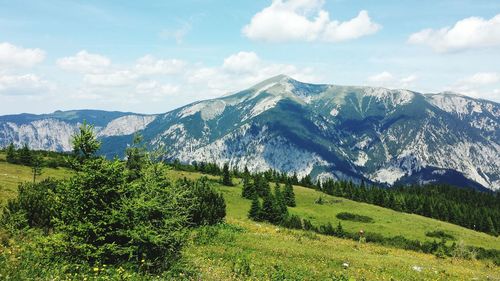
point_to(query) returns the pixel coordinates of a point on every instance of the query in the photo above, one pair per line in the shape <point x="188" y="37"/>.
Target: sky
<point x="154" y="56"/>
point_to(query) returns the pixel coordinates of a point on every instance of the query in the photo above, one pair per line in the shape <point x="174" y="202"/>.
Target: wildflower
<point x="142" y="261"/>
<point x="96" y="269"/>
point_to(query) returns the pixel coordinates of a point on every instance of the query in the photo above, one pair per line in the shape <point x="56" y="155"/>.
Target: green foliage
<point x="226" y="176"/>
<point x="36" y="166"/>
<point x="255" y="212"/>
<point x="354" y="217"/>
<point x="207" y="206"/>
<point x="293" y="222"/>
<point x="11" y="156"/>
<point x="85" y="143"/>
<point x="25" y="156"/>
<point x="440" y="234"/>
<point x="136" y="158"/>
<point x="248" y="190"/>
<point x="289" y="195"/>
<point x="35" y="206"/>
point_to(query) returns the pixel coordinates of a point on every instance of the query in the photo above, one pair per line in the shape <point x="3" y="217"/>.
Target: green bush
<point x="354" y="217"/>
<point x="35" y="206"/>
<point x="440" y="234"/>
<point x="207" y="206"/>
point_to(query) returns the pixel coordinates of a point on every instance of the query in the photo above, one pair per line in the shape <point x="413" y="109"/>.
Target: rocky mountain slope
<point x="358" y="133"/>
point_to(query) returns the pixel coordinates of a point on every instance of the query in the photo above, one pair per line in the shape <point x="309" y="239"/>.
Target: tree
<point x="36" y="166"/>
<point x="255" y="210"/>
<point x="226" y="176"/>
<point x="136" y="157"/>
<point x="11" y="156"/>
<point x="289" y="195"/>
<point x="85" y="143"/>
<point x="282" y="211"/>
<point x="208" y="206"/>
<point x="25" y="156"/>
<point x="248" y="190"/>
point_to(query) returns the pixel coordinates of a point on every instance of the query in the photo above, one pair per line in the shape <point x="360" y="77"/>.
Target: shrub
<point x="104" y="218"/>
<point x="293" y="221"/>
<point x="440" y="234"/>
<point x="207" y="206"/>
<point x="35" y="206"/>
<point x="354" y="217"/>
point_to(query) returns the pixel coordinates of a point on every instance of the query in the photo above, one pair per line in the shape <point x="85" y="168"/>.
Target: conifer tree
<point x="11" y="154"/>
<point x="282" y="210"/>
<point x="255" y="211"/>
<point x="25" y="156"/>
<point x="289" y="195"/>
<point x="226" y="176"/>
<point x="267" y="208"/>
<point x="248" y="190"/>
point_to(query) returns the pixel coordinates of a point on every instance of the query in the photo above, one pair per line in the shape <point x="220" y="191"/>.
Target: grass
<point x="12" y="175"/>
<point x="242" y="249"/>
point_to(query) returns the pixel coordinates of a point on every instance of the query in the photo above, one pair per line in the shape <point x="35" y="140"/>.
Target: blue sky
<point x="153" y="56"/>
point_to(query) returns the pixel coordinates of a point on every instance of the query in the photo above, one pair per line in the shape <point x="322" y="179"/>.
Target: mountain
<point x="358" y="133"/>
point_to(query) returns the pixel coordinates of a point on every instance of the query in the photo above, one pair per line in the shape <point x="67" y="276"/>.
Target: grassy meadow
<point x="245" y="250"/>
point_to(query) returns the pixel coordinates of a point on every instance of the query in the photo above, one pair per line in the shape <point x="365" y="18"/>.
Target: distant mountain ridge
<point x="345" y="132"/>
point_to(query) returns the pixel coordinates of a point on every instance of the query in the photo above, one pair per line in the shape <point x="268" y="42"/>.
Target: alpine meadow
<point x="250" y="140"/>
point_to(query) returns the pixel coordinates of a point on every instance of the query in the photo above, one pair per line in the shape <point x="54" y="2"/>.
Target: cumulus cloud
<point x="27" y="84"/>
<point x="14" y="56"/>
<point x="305" y="20"/>
<point x="84" y="62"/>
<point x="483" y="78"/>
<point x="387" y="79"/>
<point x="473" y="32"/>
<point x="241" y="62"/>
<point x="485" y="85"/>
<point x="149" y="65"/>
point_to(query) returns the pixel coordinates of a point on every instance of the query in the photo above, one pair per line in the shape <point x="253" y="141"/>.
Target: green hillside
<point x="243" y="249"/>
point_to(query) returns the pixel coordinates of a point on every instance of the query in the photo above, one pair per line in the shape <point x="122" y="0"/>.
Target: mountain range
<point x="376" y="135"/>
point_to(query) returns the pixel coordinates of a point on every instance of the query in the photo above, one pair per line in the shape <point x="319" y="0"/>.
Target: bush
<point x="354" y="217"/>
<point x="106" y="219"/>
<point x="293" y="221"/>
<point x="207" y="206"/>
<point x="35" y="206"/>
<point x="440" y="234"/>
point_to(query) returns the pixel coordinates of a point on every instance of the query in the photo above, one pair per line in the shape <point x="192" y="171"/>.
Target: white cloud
<point x="111" y="79"/>
<point x="485" y="85"/>
<point x="305" y="20"/>
<point x="149" y="65"/>
<point x="387" y="79"/>
<point x="27" y="84"/>
<point x="483" y="78"/>
<point x="381" y="77"/>
<point x="473" y="32"/>
<point x="14" y="56"/>
<point x="241" y="62"/>
<point x="84" y="62"/>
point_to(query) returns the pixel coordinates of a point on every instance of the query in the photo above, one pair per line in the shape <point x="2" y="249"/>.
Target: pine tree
<point x="136" y="158"/>
<point x="11" y="154"/>
<point x="226" y="176"/>
<point x="85" y="143"/>
<point x="25" y="156"/>
<point x="248" y="190"/>
<point x="255" y="211"/>
<point x="289" y="195"/>
<point x="268" y="208"/>
<point x="282" y="210"/>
